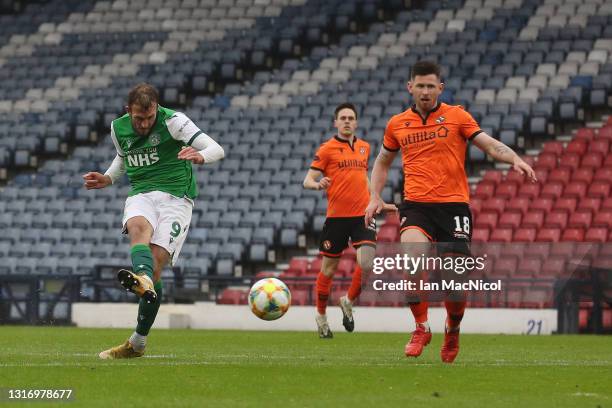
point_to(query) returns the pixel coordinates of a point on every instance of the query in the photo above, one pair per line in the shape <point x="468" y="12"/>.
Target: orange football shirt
<point x="347" y="167"/>
<point x="433" y="152"/>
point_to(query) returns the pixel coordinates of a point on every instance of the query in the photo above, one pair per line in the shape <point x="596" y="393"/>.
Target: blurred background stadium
<point x="262" y="78"/>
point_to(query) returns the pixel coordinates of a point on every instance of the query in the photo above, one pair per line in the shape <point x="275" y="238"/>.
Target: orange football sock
<point x="323" y="287"/>
<point x="454" y="313"/>
<point x="419" y="311"/>
<point x="355" y="288"/>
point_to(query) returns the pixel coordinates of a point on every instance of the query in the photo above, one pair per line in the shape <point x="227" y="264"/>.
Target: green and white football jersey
<point x="151" y="161"/>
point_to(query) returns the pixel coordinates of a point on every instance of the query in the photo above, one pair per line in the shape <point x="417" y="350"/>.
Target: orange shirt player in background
<point x="340" y="167"/>
<point x="433" y="138"/>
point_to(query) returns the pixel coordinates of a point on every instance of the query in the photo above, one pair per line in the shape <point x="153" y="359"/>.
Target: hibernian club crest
<point x="154" y="139"/>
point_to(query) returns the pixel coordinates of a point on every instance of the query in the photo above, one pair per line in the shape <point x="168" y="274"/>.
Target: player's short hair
<point x="425" y="68"/>
<point x="345" y="105"/>
<point x="143" y="95"/>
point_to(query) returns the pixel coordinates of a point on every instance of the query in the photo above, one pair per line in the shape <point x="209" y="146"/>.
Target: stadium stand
<point x="261" y="77"/>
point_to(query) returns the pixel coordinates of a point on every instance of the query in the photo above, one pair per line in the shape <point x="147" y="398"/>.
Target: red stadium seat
<point x="573" y="235"/>
<point x="603" y="219"/>
<point x="570" y="160"/>
<point x="504" y="266"/>
<point x="546" y="161"/>
<point x="484" y="189"/>
<point x="529" y="190"/>
<point x="513" y="298"/>
<point x="486" y="220"/>
<point x="299" y="297"/>
<point x="530" y="160"/>
<point x="297" y="266"/>
<point x="493" y="176"/>
<point x="604" y="174"/>
<point x="576" y="189"/>
<point x="553" y="147"/>
<point x="501" y="235"/>
<point x="506" y="190"/>
<point x="480" y="235"/>
<point x="510" y="220"/>
<point x="537" y="298"/>
<point x="525" y="235"/>
<point x="567" y="205"/>
<point x="552" y="268"/>
<point x="556" y="219"/>
<point x="580" y="219"/>
<point x="518" y="204"/>
<point x="536" y="250"/>
<point x="583" y="174"/>
<point x="549" y="235"/>
<point x="388" y="233"/>
<point x="605" y="132"/>
<point x="577" y="146"/>
<point x="590" y="204"/>
<point x="533" y="219"/>
<point x="585" y="134"/>
<point x="514" y="177"/>
<point x="552" y="189"/>
<point x="475" y="204"/>
<point x="599" y="146"/>
<point x="596" y="235"/>
<point x="541" y="175"/>
<point x="493" y="205"/>
<point x="599" y="189"/>
<point x="345" y="267"/>
<point x="542" y="204"/>
<point x="233" y="297"/>
<point x="561" y="175"/>
<point x="315" y="266"/>
<point x="528" y="267"/>
<point x="350" y="252"/>
<point x="592" y="160"/>
<point x="392" y="219"/>
<point x="606" y="204"/>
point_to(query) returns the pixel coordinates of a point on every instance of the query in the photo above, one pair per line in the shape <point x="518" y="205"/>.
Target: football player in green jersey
<point x="155" y="147"/>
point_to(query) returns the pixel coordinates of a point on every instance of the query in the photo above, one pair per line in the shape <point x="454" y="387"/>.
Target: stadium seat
<point x="596" y="235"/>
<point x="525" y="234"/>
<point x="510" y="220"/>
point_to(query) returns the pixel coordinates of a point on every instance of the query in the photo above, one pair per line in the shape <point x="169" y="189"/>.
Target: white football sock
<point x="138" y="342"/>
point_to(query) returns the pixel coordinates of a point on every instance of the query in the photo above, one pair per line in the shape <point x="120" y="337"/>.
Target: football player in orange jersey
<point x="433" y="139"/>
<point x="340" y="168"/>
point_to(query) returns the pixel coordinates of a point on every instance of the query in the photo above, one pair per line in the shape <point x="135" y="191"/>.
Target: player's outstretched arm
<point x="499" y="151"/>
<point x="377" y="183"/>
<point x="311" y="182"/>
<point x="95" y="180"/>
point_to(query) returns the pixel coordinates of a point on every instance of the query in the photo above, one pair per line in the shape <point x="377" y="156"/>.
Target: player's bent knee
<point x="139" y="229"/>
<point x="413" y="235"/>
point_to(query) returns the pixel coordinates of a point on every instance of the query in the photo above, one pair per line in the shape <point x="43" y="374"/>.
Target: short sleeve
<point x="468" y="127"/>
<point x="182" y="128"/>
<point x="120" y="151"/>
<point x="320" y="160"/>
<point x="390" y="141"/>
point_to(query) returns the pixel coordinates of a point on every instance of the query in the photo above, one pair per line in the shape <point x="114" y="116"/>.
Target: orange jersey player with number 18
<point x="341" y="167"/>
<point x="433" y="138"/>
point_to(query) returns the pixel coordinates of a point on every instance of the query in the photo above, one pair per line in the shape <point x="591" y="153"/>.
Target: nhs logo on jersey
<point x="142" y="158"/>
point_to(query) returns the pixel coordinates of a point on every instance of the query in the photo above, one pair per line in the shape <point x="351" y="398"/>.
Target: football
<point x="269" y="299"/>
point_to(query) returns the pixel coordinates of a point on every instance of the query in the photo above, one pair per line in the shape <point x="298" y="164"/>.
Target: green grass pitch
<point x="197" y="368"/>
